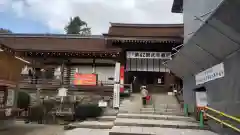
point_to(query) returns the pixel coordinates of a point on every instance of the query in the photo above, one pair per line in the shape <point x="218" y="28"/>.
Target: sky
<point x="51" y="16"/>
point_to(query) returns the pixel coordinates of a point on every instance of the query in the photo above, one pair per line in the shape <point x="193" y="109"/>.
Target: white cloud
<point x="4" y="4"/>
<point x="97" y="13"/>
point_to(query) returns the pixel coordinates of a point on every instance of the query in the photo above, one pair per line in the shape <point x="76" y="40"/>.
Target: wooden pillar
<point x="68" y="75"/>
<point x="62" y="73"/>
<point x="38" y="94"/>
<point x="15" y="98"/>
<point x="94" y="66"/>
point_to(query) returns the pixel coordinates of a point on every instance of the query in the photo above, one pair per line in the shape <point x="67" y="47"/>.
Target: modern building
<point x="209" y="57"/>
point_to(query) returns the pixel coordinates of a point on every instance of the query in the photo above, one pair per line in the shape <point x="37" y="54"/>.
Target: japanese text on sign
<point x="85" y="79"/>
<point x="210" y="74"/>
<point x="149" y="55"/>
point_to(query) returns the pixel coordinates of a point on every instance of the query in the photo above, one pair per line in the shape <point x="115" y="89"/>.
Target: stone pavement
<point x="87" y="131"/>
<point x="156" y="131"/>
<point x="104" y="122"/>
<point x="20" y="128"/>
<point x="93" y="124"/>
<point x="156" y="123"/>
<point x="154" y="117"/>
<point x="99" y="126"/>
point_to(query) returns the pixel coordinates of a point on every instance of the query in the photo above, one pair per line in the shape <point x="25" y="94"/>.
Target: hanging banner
<point x="85" y="79"/>
<point x="122" y="79"/>
<point x="148" y="55"/>
<point x="210" y="74"/>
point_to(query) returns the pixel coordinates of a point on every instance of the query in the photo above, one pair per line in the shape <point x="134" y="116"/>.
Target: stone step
<point x="92" y="124"/>
<point x="133" y="130"/>
<point x="153" y="117"/>
<point x="124" y="130"/>
<point x="106" y="118"/>
<point x="152" y="112"/>
<point x="156" y="123"/>
<point x="170" y="106"/>
<point x="163" y="113"/>
<point x="86" y="131"/>
<point x="151" y="107"/>
<point x="160" y="109"/>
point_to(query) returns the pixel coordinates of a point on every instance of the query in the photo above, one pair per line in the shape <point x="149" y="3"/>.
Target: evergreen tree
<point x="2" y="30"/>
<point x="77" y="26"/>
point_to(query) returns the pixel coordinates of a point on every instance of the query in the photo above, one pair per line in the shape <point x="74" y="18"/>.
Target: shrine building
<point x="139" y="48"/>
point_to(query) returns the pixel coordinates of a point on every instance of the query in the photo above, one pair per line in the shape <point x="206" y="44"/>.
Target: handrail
<point x="223" y="114"/>
<point x="202" y="113"/>
<point x="222" y="122"/>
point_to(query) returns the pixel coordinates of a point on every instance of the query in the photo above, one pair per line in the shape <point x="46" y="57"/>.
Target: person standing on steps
<point x="144" y="94"/>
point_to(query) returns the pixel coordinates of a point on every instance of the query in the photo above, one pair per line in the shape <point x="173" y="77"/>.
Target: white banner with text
<point x="210" y="74"/>
<point x="148" y="55"/>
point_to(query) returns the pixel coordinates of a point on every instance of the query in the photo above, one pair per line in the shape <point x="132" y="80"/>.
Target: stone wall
<point x="223" y="94"/>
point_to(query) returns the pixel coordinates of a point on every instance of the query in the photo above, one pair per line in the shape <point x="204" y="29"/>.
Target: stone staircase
<point x="161" y="110"/>
<point x="163" y="117"/>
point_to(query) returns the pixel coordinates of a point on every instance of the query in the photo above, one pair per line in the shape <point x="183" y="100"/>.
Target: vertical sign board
<point x="201" y="102"/>
<point x="210" y="74"/>
<point x="201" y="99"/>
<point x="116" y="89"/>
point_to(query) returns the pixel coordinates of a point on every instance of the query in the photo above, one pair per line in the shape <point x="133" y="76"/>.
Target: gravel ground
<point x="33" y="129"/>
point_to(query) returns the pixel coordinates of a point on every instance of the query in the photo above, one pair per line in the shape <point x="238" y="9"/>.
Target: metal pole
<point x="186" y="109"/>
<point x="201" y="119"/>
<point x="94" y="66"/>
<point x="62" y="74"/>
